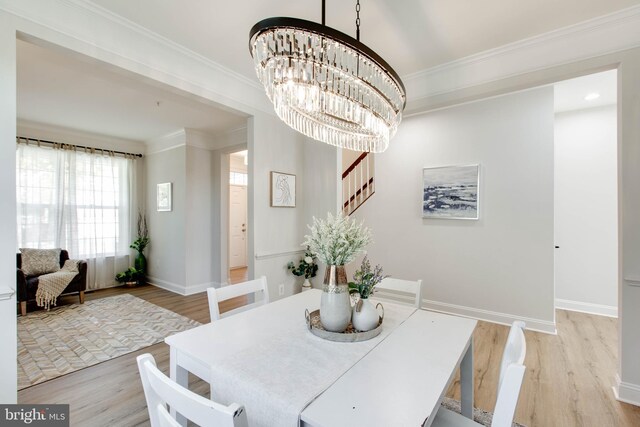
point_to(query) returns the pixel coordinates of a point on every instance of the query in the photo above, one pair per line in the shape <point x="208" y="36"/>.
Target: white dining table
<point x="398" y="380"/>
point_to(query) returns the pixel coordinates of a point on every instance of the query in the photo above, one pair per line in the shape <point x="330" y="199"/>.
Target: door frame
<point x="225" y="154"/>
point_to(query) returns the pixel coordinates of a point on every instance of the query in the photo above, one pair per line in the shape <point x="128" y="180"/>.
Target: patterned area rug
<point x="480" y="416"/>
<point x="72" y="337"/>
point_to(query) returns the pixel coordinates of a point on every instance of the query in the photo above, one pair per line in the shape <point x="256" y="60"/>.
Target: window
<point x="238" y="178"/>
<point x="73" y="200"/>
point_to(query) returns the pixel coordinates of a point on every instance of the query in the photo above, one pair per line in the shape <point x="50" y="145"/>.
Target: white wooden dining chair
<point x="510" y="381"/>
<point x="159" y="391"/>
<point x="398" y="290"/>
<point x="164" y="417"/>
<point x="257" y="287"/>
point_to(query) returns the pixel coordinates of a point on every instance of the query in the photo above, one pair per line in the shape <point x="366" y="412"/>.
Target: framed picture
<point x="450" y="192"/>
<point x="164" y="197"/>
<point x="283" y="190"/>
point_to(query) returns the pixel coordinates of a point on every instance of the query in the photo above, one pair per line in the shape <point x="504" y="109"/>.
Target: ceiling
<point x="409" y="35"/>
<point x="73" y="92"/>
<point x="570" y="94"/>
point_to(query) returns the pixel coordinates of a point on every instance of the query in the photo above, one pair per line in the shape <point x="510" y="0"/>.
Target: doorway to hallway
<point x="586" y="194"/>
<point x="238" y="224"/>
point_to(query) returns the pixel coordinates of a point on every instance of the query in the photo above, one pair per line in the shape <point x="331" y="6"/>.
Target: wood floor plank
<point x="567" y="383"/>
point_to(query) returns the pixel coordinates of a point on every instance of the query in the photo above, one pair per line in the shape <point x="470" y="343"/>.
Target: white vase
<point x="365" y="316"/>
<point x="306" y="285"/>
<point x="335" y="304"/>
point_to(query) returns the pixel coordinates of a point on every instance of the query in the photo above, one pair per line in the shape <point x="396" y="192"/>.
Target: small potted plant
<point x="139" y="245"/>
<point x="365" y="316"/>
<point x="130" y="277"/>
<point x="307" y="267"/>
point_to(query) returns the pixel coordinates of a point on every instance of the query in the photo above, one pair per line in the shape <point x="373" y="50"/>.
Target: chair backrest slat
<point x="508" y="395"/>
<point x="515" y="349"/>
<point x="164" y="417"/>
<point x="159" y="390"/>
<point x="396" y="288"/>
<point x="511" y="376"/>
<point x="257" y="287"/>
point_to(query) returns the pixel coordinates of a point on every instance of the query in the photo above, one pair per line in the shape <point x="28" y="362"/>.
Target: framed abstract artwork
<point x="450" y="192"/>
<point x="164" y="201"/>
<point x="283" y="190"/>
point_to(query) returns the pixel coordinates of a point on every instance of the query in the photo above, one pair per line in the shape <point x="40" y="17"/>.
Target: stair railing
<point x="357" y="183"/>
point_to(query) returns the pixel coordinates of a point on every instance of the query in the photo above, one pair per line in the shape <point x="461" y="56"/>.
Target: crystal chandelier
<point x="326" y="84"/>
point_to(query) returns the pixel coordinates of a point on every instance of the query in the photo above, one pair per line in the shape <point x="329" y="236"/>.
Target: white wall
<point x="321" y="189"/>
<point x="167" y="247"/>
<point x="499" y="267"/>
<point x="276" y="231"/>
<point x="8" y="370"/>
<point x="200" y="245"/>
<point x="184" y="254"/>
<point x="586" y="210"/>
<point x="628" y="381"/>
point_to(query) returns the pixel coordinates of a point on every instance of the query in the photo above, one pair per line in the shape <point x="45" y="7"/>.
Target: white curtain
<point x="78" y="201"/>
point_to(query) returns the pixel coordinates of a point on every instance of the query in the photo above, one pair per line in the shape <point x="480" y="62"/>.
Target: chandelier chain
<point x="358" y="20"/>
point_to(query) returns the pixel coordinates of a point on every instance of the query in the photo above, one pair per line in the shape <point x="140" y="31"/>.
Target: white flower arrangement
<point x="338" y="239"/>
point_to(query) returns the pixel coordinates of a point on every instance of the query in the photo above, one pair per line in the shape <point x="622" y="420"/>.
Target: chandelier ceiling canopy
<point x="326" y="84"/>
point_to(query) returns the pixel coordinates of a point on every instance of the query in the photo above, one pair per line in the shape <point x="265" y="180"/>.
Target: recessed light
<point x="592" y="96"/>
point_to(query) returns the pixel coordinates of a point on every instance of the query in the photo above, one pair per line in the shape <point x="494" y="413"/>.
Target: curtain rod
<point x="82" y="147"/>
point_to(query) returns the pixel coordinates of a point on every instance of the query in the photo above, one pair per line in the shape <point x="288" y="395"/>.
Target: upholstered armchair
<point x="28" y="285"/>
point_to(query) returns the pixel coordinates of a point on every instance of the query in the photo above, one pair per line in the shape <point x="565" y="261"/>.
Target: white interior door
<point x="237" y="226"/>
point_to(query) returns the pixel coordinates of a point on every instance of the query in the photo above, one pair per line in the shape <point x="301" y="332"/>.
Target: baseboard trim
<point x="626" y="392"/>
<point x="586" y="307"/>
<point x="167" y="286"/>
<point x="201" y="287"/>
<point x="490" y="316"/>
<point x="181" y="289"/>
<point x="6" y="293"/>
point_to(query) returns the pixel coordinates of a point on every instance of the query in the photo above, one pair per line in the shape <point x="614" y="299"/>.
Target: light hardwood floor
<point x="237" y="275"/>
<point x="568" y="380"/>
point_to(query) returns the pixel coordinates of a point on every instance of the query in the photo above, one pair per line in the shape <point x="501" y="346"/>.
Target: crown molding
<point x="145" y="32"/>
<point x="596" y="37"/>
<point x="82" y="27"/>
<point x="87" y="28"/>
<point x="231" y="137"/>
<point x="203" y="140"/>
<point x="237" y="135"/>
<point x="166" y="142"/>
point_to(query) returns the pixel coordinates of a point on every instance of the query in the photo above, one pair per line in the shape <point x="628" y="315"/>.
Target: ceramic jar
<point x="365" y="316"/>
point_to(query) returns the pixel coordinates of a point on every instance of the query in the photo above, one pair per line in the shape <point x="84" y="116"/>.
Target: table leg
<point x="466" y="382"/>
<point x="181" y="377"/>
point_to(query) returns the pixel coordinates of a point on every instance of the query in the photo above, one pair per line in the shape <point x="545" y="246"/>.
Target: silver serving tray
<point x="349" y="335"/>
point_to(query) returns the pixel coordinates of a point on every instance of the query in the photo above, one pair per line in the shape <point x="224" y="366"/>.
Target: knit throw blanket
<point x="51" y="285"/>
